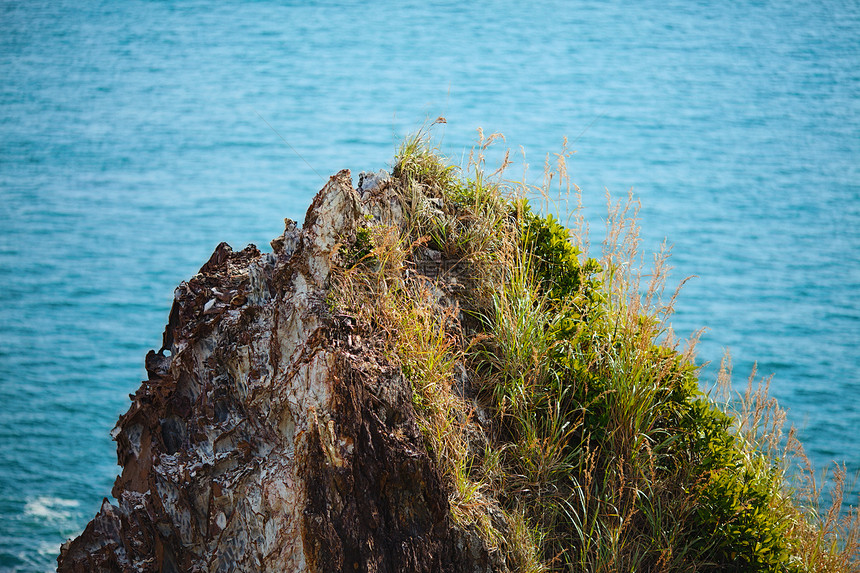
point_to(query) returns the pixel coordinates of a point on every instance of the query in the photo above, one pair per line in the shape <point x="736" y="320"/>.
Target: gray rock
<point x="267" y="437"/>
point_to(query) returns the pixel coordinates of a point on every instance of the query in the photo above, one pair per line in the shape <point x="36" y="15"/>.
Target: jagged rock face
<point x="267" y="438"/>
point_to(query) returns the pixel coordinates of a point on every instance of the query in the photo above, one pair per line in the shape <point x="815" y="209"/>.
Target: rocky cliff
<point x="270" y="435"/>
<point x="430" y="376"/>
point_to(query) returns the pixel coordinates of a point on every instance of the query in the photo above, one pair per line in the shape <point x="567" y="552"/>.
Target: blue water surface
<point x="131" y="145"/>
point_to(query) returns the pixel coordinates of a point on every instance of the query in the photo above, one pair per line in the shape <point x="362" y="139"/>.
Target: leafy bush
<point x="556" y="261"/>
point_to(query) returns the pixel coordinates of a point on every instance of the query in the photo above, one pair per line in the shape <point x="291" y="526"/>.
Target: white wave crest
<point x="51" y="508"/>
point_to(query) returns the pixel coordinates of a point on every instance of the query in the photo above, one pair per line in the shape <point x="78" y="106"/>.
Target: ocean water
<point x="131" y="145"/>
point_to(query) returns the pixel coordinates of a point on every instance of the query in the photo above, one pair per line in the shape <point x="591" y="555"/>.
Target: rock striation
<point x="267" y="437"/>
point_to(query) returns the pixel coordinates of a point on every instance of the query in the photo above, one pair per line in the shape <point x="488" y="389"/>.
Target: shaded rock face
<point x="266" y="438"/>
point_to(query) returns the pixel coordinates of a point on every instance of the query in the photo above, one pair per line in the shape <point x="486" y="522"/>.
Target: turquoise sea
<point x="131" y="145"/>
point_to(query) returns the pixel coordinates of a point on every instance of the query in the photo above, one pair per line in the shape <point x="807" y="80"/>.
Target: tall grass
<point x="565" y="416"/>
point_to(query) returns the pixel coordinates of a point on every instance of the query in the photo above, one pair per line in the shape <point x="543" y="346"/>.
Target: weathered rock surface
<point x="267" y="438"/>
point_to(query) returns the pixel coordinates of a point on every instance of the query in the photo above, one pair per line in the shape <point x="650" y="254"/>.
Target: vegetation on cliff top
<point x="566" y="417"/>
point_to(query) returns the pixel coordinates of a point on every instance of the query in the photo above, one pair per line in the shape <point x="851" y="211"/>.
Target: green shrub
<point x="745" y="533"/>
<point x="556" y="261"/>
<point x="359" y="251"/>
